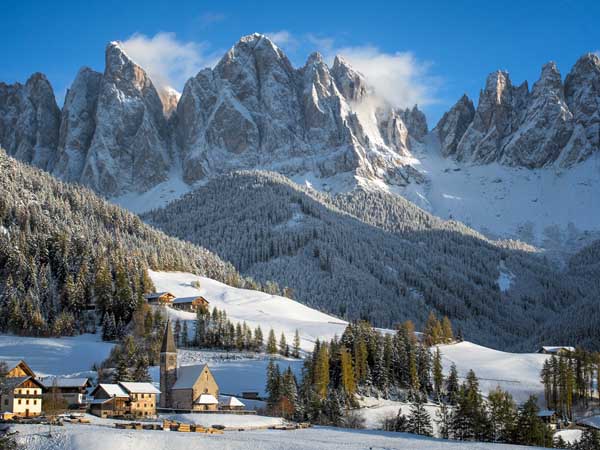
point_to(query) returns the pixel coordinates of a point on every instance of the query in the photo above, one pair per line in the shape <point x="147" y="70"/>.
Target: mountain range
<point x="307" y="177"/>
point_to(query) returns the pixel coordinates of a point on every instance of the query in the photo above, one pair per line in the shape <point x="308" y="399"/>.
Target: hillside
<point x="376" y="256"/>
<point x="64" y="251"/>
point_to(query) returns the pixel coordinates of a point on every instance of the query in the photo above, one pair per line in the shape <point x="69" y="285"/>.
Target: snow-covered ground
<point x="253" y="307"/>
<point x="517" y="373"/>
<point x="95" y="437"/>
<point x="229" y="421"/>
<point x="551" y="208"/>
<point x="56" y="356"/>
<point x="374" y="410"/>
<point x="569" y="436"/>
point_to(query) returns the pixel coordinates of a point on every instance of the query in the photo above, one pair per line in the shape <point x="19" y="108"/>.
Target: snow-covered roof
<point x="188" y="299"/>
<point x="557" y="348"/>
<point x="187" y="376"/>
<point x="593" y="421"/>
<point x="139" y="388"/>
<point x="113" y="390"/>
<point x="207" y="399"/>
<point x="156" y="294"/>
<point x="64" y="382"/>
<point x="232" y="401"/>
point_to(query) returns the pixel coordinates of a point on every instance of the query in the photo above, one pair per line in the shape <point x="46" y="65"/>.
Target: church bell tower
<point x="168" y="367"/>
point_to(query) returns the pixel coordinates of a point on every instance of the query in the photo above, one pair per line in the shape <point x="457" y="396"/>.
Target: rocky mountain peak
<point x="453" y="124"/>
<point x="350" y="82"/>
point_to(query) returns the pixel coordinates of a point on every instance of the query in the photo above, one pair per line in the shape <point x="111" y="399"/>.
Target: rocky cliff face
<point x="29" y="121"/>
<point x="555" y="123"/>
<point x="254" y="110"/>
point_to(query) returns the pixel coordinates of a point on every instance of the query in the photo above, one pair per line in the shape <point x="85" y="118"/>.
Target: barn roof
<point x="64" y="382"/>
<point x="232" y="401"/>
<point x="557" y="348"/>
<point x="188" y="299"/>
<point x="113" y="390"/>
<point x="156" y="294"/>
<point x="10" y="383"/>
<point x="139" y="388"/>
<point x="22" y="364"/>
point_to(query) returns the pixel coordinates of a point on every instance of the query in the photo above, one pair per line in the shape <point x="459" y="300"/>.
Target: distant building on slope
<point x="191" y="388"/>
<point x="191" y="304"/>
<point x="20" y="391"/>
<point x="159" y="298"/>
<point x="556" y="350"/>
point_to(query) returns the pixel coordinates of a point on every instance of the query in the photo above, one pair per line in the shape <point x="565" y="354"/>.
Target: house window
<point x="35" y="402"/>
<point x="27" y="402"/>
<point x="27" y="391"/>
<point x="19" y="401"/>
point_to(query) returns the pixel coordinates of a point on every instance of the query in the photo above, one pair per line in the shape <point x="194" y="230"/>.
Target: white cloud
<point x="398" y="78"/>
<point x="168" y="61"/>
<point x="283" y="38"/>
<point x="209" y="18"/>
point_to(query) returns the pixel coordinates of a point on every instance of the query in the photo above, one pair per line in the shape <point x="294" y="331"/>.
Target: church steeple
<point x="168" y="367"/>
<point x="168" y="343"/>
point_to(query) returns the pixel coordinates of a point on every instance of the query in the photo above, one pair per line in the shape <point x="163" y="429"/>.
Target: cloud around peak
<point x="168" y="61"/>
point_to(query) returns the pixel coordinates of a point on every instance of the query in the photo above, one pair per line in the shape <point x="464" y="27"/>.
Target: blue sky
<point x="429" y="52"/>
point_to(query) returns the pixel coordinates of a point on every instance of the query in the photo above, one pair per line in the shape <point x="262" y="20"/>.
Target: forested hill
<point x="63" y="249"/>
<point x="376" y="256"/>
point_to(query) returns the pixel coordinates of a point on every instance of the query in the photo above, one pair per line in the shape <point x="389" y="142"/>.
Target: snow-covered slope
<point x="253" y="307"/>
<point x="550" y="207"/>
<point x="517" y="373"/>
<point x="56" y="356"/>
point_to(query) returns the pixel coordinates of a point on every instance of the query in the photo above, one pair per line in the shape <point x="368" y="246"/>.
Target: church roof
<point x="168" y="342"/>
<point x="187" y="376"/>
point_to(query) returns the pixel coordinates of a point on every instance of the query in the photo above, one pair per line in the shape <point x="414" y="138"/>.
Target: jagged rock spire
<point x="168" y="342"/>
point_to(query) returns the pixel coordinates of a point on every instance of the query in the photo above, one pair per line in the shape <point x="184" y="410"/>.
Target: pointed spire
<point x="168" y="343"/>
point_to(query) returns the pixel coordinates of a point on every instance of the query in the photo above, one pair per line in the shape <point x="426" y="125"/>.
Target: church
<point x="188" y="387"/>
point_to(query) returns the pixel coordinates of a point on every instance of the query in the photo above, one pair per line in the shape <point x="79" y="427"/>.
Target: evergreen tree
<point x="438" y="375"/>
<point x="271" y="343"/>
<point x="296" y="345"/>
<point x="274" y="382"/>
<point x="141" y="373"/>
<point x="531" y="430"/>
<point x="283" y="347"/>
<point x="503" y="414"/>
<point x="321" y="371"/>
<point x="447" y="333"/>
<point x="348" y="381"/>
<point x="122" y="370"/>
<point x="419" y="421"/>
<point x="452" y="385"/>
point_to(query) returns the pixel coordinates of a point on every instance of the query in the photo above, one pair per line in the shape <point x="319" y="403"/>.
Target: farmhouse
<point x="21" y="392"/>
<point x="159" y="298"/>
<point x="556" y="350"/>
<point x="191" y="304"/>
<point x="124" y="398"/>
<point x="188" y="387"/>
<point x="109" y="400"/>
<point x="72" y="390"/>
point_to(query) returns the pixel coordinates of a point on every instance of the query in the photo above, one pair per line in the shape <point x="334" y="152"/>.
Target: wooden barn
<point x="191" y="304"/>
<point x="73" y="390"/>
<point x="159" y="298"/>
<point x="109" y="400"/>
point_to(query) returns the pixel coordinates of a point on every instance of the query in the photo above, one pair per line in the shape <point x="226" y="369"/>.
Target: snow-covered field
<point x="56" y="356"/>
<point x="518" y="373"/>
<point x="229" y="421"/>
<point x="94" y="437"/>
<point x="374" y="410"/>
<point x="256" y="308"/>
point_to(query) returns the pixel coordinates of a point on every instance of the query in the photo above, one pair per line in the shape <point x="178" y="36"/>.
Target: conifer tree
<point x="258" y="339"/>
<point x="122" y="370"/>
<point x="348" y="381"/>
<point x="296" y="345"/>
<point x="321" y="371"/>
<point x="531" y="430"/>
<point x="438" y="375"/>
<point x="271" y="343"/>
<point x="419" y="420"/>
<point x="447" y="333"/>
<point x="452" y="385"/>
<point x="141" y="373"/>
<point x="283" y="348"/>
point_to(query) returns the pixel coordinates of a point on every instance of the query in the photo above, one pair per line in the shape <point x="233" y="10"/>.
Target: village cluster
<point x="182" y="389"/>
